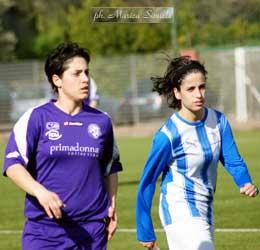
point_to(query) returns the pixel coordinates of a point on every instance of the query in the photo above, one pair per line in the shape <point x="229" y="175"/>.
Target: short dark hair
<point x="55" y="63"/>
<point x="176" y="70"/>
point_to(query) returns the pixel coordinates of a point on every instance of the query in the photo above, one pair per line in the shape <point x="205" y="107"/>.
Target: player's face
<point x="192" y="93"/>
<point x="74" y="82"/>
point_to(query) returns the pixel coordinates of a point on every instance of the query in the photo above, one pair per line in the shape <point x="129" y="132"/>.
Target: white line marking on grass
<point x="10" y="231"/>
<point x="220" y="230"/>
<point x="238" y="230"/>
<point x="158" y="230"/>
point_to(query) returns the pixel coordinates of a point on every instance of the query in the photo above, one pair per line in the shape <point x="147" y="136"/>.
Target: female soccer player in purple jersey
<point x="63" y="155"/>
<point x="186" y="150"/>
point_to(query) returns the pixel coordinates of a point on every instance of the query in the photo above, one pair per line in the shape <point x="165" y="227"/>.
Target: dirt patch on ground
<point x="148" y="129"/>
<point x="137" y="130"/>
<point x="4" y="136"/>
<point x="248" y="125"/>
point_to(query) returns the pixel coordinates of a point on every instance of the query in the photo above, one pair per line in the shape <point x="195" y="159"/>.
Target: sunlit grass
<point x="231" y="209"/>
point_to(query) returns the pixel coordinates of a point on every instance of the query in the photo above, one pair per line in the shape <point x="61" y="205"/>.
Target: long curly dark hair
<point x="176" y="70"/>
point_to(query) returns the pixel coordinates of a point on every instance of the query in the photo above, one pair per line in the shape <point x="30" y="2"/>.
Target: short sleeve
<point x="22" y="141"/>
<point x="111" y="158"/>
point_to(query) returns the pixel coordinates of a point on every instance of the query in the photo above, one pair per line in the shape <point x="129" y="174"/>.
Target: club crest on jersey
<point x="53" y="131"/>
<point x="94" y="130"/>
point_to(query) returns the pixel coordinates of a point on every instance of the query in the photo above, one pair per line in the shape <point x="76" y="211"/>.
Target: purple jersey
<point x="69" y="155"/>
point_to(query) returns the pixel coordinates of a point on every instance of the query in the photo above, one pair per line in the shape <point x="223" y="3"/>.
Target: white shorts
<point x="193" y="234"/>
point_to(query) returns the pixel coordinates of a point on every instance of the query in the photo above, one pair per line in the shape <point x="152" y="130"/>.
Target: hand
<point x="249" y="189"/>
<point x="50" y="201"/>
<point x="150" y="244"/>
<point x="111" y="222"/>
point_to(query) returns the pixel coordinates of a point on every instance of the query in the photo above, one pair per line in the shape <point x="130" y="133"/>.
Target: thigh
<point x="83" y="236"/>
<point x="190" y="235"/>
<point x="37" y="236"/>
<point x="98" y="236"/>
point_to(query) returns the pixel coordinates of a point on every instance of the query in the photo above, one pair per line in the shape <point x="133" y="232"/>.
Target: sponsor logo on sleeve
<point x="53" y="132"/>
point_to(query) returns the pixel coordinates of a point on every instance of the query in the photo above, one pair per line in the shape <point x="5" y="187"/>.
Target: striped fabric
<point x="187" y="155"/>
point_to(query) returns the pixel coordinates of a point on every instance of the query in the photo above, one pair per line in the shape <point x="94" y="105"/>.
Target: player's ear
<point x="56" y="81"/>
<point x="176" y="93"/>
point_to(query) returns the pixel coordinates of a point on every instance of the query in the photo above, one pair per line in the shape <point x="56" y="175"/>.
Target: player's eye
<point x="190" y="89"/>
<point x="86" y="72"/>
<point x="203" y="86"/>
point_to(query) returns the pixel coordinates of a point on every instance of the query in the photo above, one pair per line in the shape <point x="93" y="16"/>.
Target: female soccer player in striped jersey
<point x="186" y="150"/>
<point x="63" y="155"/>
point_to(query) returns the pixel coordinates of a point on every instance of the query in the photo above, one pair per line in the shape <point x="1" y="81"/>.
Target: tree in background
<point x="73" y="23"/>
<point x="7" y="37"/>
<point x="20" y="18"/>
<point x="52" y="24"/>
<point x="33" y="27"/>
<point x="217" y="23"/>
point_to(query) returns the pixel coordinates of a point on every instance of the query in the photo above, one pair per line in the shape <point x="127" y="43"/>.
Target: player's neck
<point x="68" y="106"/>
<point x="191" y="116"/>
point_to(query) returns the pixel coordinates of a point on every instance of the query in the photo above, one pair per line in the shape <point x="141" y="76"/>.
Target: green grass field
<point x="231" y="209"/>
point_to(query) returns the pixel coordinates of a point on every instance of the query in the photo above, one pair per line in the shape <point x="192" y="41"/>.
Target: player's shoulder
<point x="35" y="111"/>
<point x="166" y="131"/>
<point x="31" y="116"/>
<point x="169" y="124"/>
<point x="216" y="113"/>
<point x="97" y="114"/>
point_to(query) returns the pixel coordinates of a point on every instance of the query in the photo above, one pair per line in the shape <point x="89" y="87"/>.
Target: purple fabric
<point x="86" y="101"/>
<point x="69" y="155"/>
<point x="55" y="236"/>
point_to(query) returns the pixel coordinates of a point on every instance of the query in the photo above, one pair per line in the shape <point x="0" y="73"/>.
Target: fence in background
<point x="125" y="91"/>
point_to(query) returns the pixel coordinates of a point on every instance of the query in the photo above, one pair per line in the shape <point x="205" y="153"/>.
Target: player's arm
<point x="159" y="158"/>
<point x="111" y="184"/>
<point x="112" y="165"/>
<point x="19" y="150"/>
<point x="233" y="162"/>
<point x="111" y="181"/>
<point x="50" y="201"/>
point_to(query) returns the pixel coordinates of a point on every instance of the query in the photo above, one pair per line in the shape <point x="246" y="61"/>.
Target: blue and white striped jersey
<point x="187" y="155"/>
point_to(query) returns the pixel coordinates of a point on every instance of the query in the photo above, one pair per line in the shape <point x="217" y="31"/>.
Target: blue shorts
<point x="57" y="236"/>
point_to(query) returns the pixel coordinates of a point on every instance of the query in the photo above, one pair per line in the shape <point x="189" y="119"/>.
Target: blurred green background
<point x="30" y="28"/>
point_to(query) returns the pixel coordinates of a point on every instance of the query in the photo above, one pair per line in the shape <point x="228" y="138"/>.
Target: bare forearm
<point x="50" y="201"/>
<point x="111" y="184"/>
<point x="22" y="178"/>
